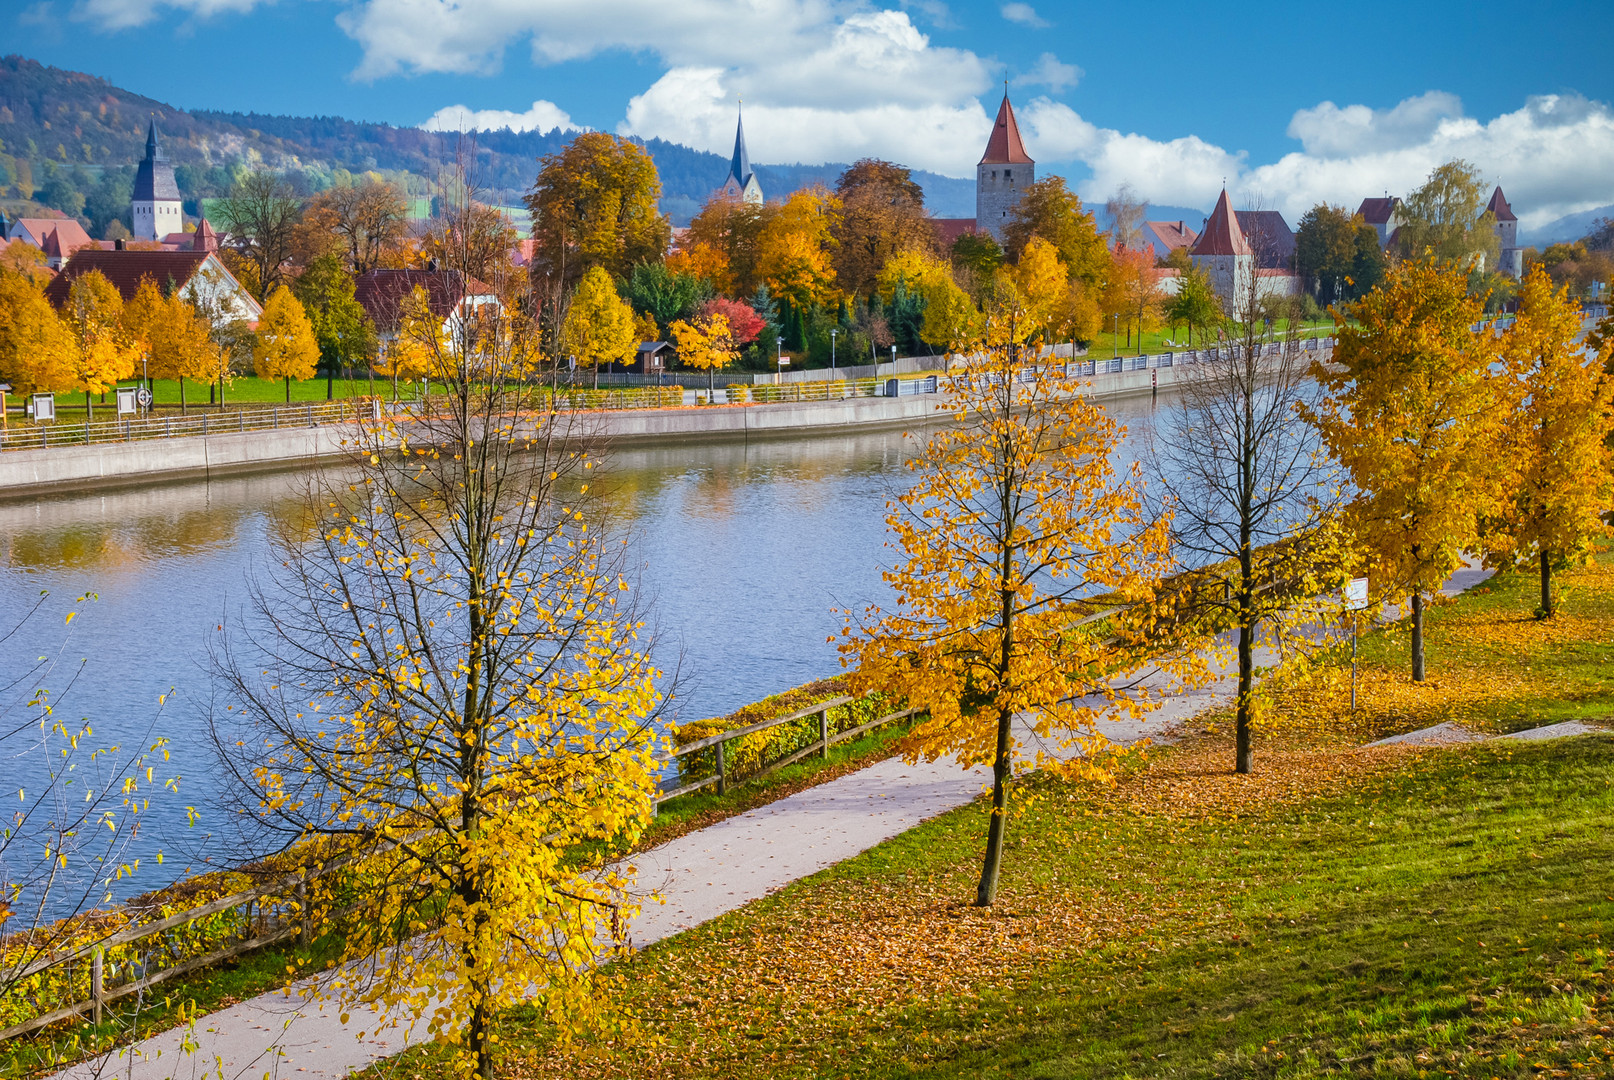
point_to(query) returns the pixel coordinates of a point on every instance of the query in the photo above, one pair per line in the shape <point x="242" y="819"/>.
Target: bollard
<point x="722" y="772"/>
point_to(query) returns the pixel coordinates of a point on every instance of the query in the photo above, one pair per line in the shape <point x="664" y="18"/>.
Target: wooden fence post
<point x="96" y="983"/>
<point x="722" y="772"/>
<point x="823" y="731"/>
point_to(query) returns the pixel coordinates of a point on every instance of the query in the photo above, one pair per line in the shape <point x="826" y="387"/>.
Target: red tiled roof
<point x="381" y="293"/>
<point x="52" y="247"/>
<point x="1222" y="235"/>
<point x="204" y="238"/>
<point x="1499" y="206"/>
<point x="1171" y="234"/>
<point x="69" y="233"/>
<point x="1378" y="211"/>
<point x="1005" y="147"/>
<point x="949" y="229"/>
<point x="126" y="269"/>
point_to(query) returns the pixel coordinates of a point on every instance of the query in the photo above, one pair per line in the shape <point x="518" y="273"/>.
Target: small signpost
<point x="143" y="397"/>
<point x="44" y="407"/>
<point x="126" y="401"/>
<point x="1355" y="600"/>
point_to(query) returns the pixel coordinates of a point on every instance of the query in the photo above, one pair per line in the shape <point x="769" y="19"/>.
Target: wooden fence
<point x="278" y="910"/>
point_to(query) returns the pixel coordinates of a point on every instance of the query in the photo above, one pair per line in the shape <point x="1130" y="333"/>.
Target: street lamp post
<point x="1115" y="337"/>
<point x="779" y="357"/>
<point x="832" y="332"/>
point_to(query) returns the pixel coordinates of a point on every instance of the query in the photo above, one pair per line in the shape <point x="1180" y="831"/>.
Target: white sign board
<point x="784" y="361"/>
<point x="126" y="401"/>
<point x="1356" y="594"/>
<point x="44" y="406"/>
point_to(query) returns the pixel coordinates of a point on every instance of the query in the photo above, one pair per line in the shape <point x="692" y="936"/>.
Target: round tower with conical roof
<point x="155" y="207"/>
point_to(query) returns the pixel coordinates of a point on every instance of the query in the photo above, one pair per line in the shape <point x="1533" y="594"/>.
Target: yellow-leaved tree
<point x="952" y="320"/>
<point x="37" y="351"/>
<point x="447" y="685"/>
<point x="599" y="323"/>
<point x="286" y="347"/>
<point x="1414" y="415"/>
<point x="103" y="353"/>
<point x="1558" y="438"/>
<point x="172" y="335"/>
<point x="705" y="344"/>
<point x="1017" y="528"/>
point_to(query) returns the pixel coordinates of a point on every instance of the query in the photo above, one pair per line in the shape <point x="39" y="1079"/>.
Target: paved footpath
<point x="287" y="1034"/>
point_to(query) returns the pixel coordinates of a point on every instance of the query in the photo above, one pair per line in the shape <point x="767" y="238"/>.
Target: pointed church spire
<point x="740" y="165"/>
<point x="1005" y="147"/>
<point x="154" y="150"/>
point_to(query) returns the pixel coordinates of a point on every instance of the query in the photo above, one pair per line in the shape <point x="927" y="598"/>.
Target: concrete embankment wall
<point x="27" y="473"/>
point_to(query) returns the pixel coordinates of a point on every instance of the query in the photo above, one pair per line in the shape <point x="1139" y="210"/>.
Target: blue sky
<point x="1289" y="103"/>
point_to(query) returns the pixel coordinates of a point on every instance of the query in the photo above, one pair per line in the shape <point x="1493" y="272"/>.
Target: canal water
<point x="750" y="550"/>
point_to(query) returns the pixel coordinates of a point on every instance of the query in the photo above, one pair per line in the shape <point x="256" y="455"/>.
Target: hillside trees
<point x="1414" y="417"/>
<point x="1558" y="438"/>
<point x="1017" y="527"/>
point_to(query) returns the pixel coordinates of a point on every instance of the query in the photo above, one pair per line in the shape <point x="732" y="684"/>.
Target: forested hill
<point x="65" y="132"/>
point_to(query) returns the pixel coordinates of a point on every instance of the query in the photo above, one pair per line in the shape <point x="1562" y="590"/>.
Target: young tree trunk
<point x="1546" y="586"/>
<point x="1244" y="750"/>
<point x="182" y="395"/>
<point x="1417" y="637"/>
<point x="1002" y="774"/>
<point x="89" y="407"/>
<point x="288" y="389"/>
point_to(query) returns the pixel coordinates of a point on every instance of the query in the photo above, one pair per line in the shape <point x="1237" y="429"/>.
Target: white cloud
<point x="693" y="106"/>
<point x="1329" y="131"/>
<point x="1554" y="156"/>
<point x="543" y="116"/>
<point x="1024" y="14"/>
<point x="113" y="15"/>
<point x="1049" y="72"/>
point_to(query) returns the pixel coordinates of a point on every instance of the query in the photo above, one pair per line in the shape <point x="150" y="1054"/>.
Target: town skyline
<point x="915" y="84"/>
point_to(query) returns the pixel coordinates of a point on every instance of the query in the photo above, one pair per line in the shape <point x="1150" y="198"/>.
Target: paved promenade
<point x="699" y="876"/>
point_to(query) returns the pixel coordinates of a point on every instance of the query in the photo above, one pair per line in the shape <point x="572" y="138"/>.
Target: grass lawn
<point x="1388" y="912"/>
<point x="1163" y="340"/>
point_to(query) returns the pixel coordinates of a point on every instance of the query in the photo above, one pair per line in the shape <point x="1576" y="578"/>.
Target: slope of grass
<point x="1385" y="912"/>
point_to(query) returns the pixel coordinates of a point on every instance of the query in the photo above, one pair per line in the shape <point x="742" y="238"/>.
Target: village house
<point x="200" y="276"/>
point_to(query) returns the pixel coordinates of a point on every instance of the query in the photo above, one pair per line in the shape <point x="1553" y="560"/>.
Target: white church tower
<point x="155" y="208"/>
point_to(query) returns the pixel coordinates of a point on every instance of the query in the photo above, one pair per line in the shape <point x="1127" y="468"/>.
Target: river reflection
<point x="746" y="551"/>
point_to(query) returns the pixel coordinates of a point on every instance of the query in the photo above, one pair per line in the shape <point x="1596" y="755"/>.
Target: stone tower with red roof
<point x="1511" y="260"/>
<point x="1225" y="256"/>
<point x="1003" y="174"/>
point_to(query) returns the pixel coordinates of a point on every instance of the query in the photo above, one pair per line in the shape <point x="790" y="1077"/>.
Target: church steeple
<point x="742" y="180"/>
<point x="1004" y="147"/>
<point x="1003" y="174"/>
<point x="154" y="208"/>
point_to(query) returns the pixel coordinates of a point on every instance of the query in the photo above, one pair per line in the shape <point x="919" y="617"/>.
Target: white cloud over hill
<point x="543" y="116"/>
<point x="1554" y="156"/>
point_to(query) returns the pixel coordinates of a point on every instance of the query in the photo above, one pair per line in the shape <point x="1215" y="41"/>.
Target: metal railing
<point x="37" y="436"/>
